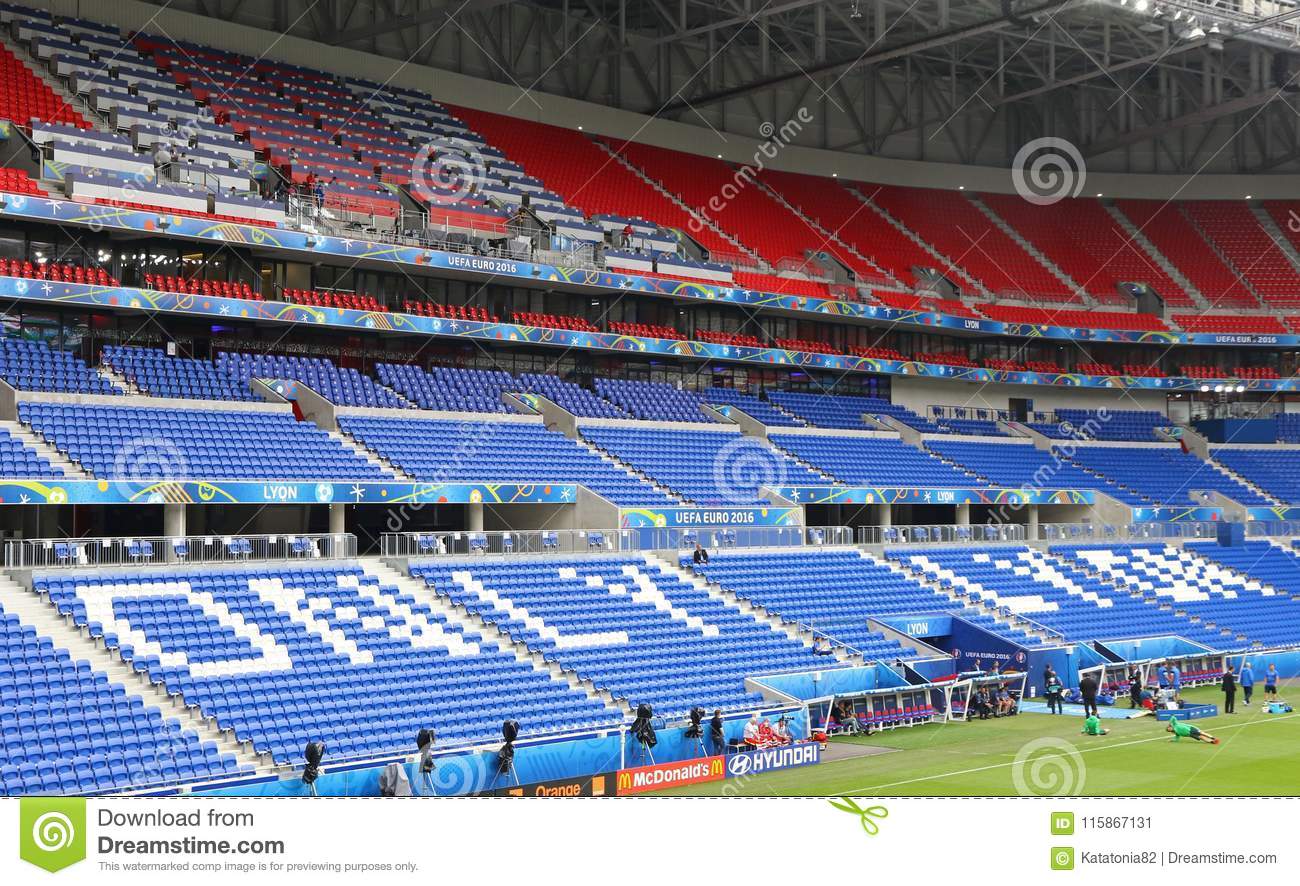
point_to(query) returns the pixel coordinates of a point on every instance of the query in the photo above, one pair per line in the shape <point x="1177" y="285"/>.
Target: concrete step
<point x="349" y="442"/>
<point x="388" y="574"/>
<point x="659" y="186"/>
<point x="34" y="441"/>
<point x="629" y="469"/>
<point x="45" y="75"/>
<point x="1156" y="255"/>
<point x="1028" y="247"/>
<point x="39" y="613"/>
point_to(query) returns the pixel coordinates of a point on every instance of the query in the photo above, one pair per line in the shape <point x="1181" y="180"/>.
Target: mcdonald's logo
<point x="669" y="775"/>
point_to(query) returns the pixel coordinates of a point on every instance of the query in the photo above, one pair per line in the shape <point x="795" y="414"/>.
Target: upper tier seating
<point x="1071" y="318"/>
<point x="1165" y="475"/>
<point x="338" y="656"/>
<point x="575" y="398"/>
<point x="344" y="387"/>
<point x="752" y="217"/>
<point x="752" y="406"/>
<point x="449" y="389"/>
<point x="999" y="365"/>
<point x="1081" y="238"/>
<point x="853" y="221"/>
<point x="627" y="624"/>
<point x="1203" y="372"/>
<point x="1140" y="370"/>
<point x="35" y="366"/>
<point x="1089" y="368"/>
<point x="1046" y="366"/>
<point x="1049" y="591"/>
<point x="138" y="443"/>
<point x="1273" y="469"/>
<point x="1181" y="243"/>
<point x="704" y="467"/>
<point x="158" y="375"/>
<point x="508" y="452"/>
<point x="1236" y="607"/>
<point x="782" y="285"/>
<point x="877" y="353"/>
<point x="955" y="226"/>
<point x="874" y="461"/>
<point x="1254" y="372"/>
<point x="584" y="175"/>
<point x="70" y="730"/>
<point x="1117" y="424"/>
<point x="844" y="411"/>
<point x="1288" y="427"/>
<point x="1232" y="226"/>
<point x="1232" y="323"/>
<point x="24" y="97"/>
<point x="652" y="401"/>
<point x="1021" y="465"/>
<point x="980" y="427"/>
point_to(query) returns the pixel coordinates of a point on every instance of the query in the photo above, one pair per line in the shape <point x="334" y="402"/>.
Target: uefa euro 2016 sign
<point x="768" y="760"/>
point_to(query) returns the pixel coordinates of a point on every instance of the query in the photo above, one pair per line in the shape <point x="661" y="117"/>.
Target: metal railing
<point x="574" y="541"/>
<point x="543" y="541"/>
<point x="941" y="534"/>
<point x="44" y="553"/>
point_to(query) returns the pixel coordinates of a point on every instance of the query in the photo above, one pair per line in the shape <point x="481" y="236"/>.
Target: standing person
<point x="1270" y="682"/>
<point x="627" y="235"/>
<point x="718" y="733"/>
<point x="1246" y="679"/>
<point x="1229" y="690"/>
<point x="1053" y="689"/>
<point x="1088" y="689"/>
<point x="1176" y="681"/>
<point x="1134" y="688"/>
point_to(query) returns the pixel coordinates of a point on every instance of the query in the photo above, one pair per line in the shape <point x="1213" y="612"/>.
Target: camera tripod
<point x="698" y="749"/>
<point x="508" y="774"/>
<point x="643" y="753"/>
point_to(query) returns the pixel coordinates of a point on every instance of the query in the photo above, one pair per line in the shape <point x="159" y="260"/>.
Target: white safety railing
<point x="43" y="553"/>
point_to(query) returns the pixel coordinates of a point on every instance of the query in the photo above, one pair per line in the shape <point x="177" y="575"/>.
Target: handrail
<point x="46" y="553"/>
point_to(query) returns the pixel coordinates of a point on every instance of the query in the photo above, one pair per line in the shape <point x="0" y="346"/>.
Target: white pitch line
<point x="858" y="792"/>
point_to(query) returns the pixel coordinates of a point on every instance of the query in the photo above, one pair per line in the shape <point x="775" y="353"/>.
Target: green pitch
<point x="1259" y="755"/>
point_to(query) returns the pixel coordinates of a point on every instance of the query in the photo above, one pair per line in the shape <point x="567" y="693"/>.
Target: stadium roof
<point x="1137" y="85"/>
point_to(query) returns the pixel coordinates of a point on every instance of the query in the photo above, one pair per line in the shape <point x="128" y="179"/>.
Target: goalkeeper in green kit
<point x="1092" y="726"/>
<point x="1185" y="730"/>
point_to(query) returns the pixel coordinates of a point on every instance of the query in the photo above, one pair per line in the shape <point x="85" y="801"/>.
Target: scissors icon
<point x="865" y="816"/>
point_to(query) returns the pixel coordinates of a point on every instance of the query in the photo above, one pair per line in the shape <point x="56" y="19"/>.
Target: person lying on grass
<point x="1186" y="730"/>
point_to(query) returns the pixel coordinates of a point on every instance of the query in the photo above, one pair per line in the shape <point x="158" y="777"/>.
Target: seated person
<point x="782" y="731"/>
<point x="843" y="714"/>
<point x="1006" y="704"/>
<point x="750" y="734"/>
<point x="1092" y="726"/>
<point x="983" y="705"/>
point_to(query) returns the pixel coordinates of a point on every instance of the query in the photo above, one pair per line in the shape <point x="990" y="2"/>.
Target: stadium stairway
<point x="757" y="611"/>
<point x="1011" y="624"/>
<point x="40" y="614"/>
<point x="629" y="469"/>
<point x="24" y="434"/>
<point x="1244" y="481"/>
<point x="121" y="381"/>
<point x="1140" y="238"/>
<point x="347" y="441"/>
<point x="709" y="223"/>
<point x="473" y="623"/>
<point x="1008" y="229"/>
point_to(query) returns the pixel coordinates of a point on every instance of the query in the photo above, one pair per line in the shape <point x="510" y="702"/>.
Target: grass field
<point x="1259" y="755"/>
